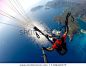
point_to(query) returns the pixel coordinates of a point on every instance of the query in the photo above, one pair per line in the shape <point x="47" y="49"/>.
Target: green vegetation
<point x="61" y="3"/>
<point x="73" y="26"/>
<point x="78" y="9"/>
<point x="57" y="3"/>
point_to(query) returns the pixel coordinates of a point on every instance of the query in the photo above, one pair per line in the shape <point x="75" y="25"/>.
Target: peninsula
<point x="77" y="10"/>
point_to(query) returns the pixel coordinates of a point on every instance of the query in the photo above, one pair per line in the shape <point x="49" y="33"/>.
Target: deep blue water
<point x="21" y="49"/>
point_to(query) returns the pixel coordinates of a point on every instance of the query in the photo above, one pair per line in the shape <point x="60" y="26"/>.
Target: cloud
<point x="3" y="43"/>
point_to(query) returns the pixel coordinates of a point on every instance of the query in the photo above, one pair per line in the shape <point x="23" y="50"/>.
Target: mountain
<point x="78" y="9"/>
<point x="57" y="3"/>
<point x="61" y="3"/>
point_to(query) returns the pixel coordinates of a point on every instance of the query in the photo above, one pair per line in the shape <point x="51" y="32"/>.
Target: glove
<point x="44" y="48"/>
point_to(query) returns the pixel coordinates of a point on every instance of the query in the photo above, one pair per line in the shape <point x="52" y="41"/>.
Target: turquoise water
<point x="21" y="49"/>
<point x="82" y="24"/>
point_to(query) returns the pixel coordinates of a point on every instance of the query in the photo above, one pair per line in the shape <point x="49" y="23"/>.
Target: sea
<point x="18" y="48"/>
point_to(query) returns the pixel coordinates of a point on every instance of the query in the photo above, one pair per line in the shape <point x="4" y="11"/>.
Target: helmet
<point x="57" y="34"/>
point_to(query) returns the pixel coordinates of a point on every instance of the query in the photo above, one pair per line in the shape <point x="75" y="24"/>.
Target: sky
<point x="25" y="3"/>
<point x="5" y="8"/>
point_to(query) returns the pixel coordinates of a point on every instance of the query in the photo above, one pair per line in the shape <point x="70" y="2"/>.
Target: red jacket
<point x="59" y="42"/>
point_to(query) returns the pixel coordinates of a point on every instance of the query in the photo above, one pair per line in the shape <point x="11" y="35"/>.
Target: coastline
<point x="83" y="31"/>
<point x="80" y="19"/>
<point x="73" y="26"/>
<point x="82" y="23"/>
<point x="78" y="10"/>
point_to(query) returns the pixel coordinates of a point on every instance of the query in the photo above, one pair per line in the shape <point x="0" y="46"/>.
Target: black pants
<point x="63" y="50"/>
